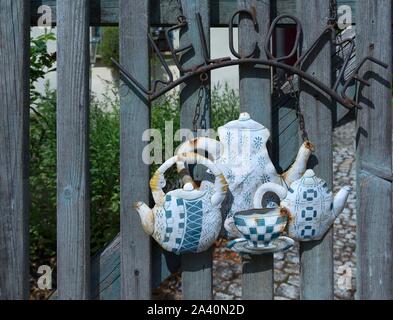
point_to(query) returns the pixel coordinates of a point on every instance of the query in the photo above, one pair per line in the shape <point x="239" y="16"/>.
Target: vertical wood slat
<point x="197" y="278"/>
<point x="374" y="149"/>
<point x="135" y="119"/>
<point x="255" y="98"/>
<point x="14" y="135"/>
<point x="316" y="258"/>
<point x="73" y="203"/>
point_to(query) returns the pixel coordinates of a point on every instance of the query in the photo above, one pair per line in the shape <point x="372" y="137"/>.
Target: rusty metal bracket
<point x="382" y="173"/>
<point x="296" y="45"/>
<point x="251" y="15"/>
<point x="161" y="87"/>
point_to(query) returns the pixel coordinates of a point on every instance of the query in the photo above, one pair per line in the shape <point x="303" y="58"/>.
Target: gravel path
<point x="227" y="265"/>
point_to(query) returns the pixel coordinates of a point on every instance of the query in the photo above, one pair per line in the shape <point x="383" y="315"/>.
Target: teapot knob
<point x="309" y="174"/>
<point x="244" y="116"/>
<point x="188" y="187"/>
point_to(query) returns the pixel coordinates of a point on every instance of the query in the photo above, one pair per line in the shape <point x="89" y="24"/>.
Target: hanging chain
<point x="296" y="95"/>
<point x="181" y="17"/>
<point x="206" y="105"/>
<point x="333" y="12"/>
<point x="199" y="114"/>
<point x="199" y="121"/>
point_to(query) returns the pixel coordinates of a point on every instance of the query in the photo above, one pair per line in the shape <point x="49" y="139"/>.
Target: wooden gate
<point x="142" y="265"/>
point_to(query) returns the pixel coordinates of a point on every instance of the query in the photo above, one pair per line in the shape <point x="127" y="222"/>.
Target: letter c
<point x="231" y="23"/>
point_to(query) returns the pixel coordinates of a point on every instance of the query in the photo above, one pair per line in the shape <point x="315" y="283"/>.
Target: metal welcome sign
<point x="161" y="87"/>
<point x="188" y="220"/>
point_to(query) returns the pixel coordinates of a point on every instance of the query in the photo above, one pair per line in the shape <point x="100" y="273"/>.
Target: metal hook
<point x="204" y="77"/>
<point x="129" y="78"/>
<point x="182" y="22"/>
<point x="205" y="49"/>
<point x="270" y="34"/>
<point x="355" y="76"/>
<point x="231" y="23"/>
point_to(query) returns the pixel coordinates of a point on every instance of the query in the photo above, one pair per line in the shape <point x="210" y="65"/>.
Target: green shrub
<point x="105" y="171"/>
<point x="104" y="162"/>
<point x="42" y="155"/>
<point x="43" y="179"/>
<point x="225" y="105"/>
<point x="109" y="47"/>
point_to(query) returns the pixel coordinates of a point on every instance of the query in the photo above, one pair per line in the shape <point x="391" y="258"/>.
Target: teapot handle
<point x="220" y="184"/>
<point x="280" y="191"/>
<point x="213" y="148"/>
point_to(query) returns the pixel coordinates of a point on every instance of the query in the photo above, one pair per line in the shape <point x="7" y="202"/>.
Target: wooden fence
<point x="132" y="269"/>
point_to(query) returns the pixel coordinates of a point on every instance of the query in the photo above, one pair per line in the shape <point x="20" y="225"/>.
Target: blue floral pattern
<point x="228" y="137"/>
<point x="264" y="178"/>
<point x="244" y="139"/>
<point x="230" y="176"/>
<point x="258" y="143"/>
<point x="261" y="162"/>
<point x="246" y="178"/>
<point x="247" y="198"/>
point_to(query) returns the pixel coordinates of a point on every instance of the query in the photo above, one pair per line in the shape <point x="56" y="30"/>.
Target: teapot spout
<point x="221" y="187"/>
<point x="297" y="170"/>
<point x="340" y="200"/>
<point x="147" y="217"/>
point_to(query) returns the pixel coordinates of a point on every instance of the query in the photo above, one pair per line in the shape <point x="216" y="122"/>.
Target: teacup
<point x="261" y="226"/>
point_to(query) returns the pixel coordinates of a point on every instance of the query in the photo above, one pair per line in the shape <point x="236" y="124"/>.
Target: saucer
<point x="280" y="244"/>
<point x="270" y="246"/>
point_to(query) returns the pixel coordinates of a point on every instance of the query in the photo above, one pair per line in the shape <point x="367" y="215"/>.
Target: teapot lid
<point x="244" y="123"/>
<point x="309" y="174"/>
<point x="188" y="187"/>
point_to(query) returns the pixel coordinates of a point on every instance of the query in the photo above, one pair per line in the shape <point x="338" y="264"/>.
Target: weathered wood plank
<point x="285" y="129"/>
<point x="197" y="278"/>
<point x="290" y="147"/>
<point x="14" y="149"/>
<point x="105" y="272"/>
<point x="374" y="148"/>
<point x="164" y="12"/>
<point x="73" y="202"/>
<point x="164" y="264"/>
<point x="255" y="98"/>
<point x="316" y="258"/>
<point x="135" y="119"/>
<point x="338" y="58"/>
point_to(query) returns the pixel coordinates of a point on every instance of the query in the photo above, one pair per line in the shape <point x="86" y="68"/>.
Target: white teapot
<point x="242" y="156"/>
<point x="185" y="220"/>
<point x="310" y="205"/>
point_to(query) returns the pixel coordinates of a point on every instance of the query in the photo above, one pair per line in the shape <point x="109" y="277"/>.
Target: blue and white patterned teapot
<point x="185" y="220"/>
<point x="242" y="156"/>
<point x="310" y="204"/>
<point x="312" y="207"/>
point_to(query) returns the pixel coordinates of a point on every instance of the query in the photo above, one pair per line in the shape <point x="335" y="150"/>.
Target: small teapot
<point x="309" y="203"/>
<point x="186" y="220"/>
